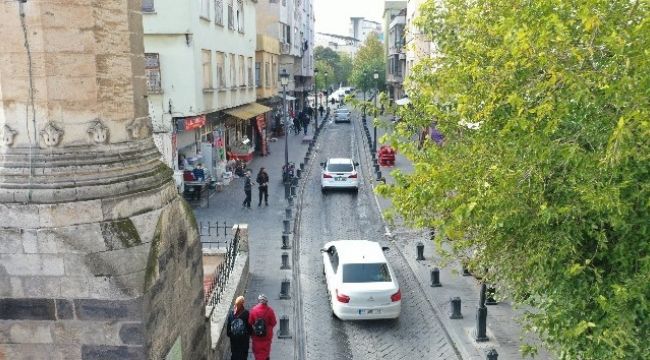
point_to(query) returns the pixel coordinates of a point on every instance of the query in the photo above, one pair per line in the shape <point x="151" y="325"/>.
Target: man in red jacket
<point x="262" y="319"/>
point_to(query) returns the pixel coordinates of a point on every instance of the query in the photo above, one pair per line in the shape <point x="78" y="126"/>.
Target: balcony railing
<point x="285" y="48"/>
<point x="215" y="289"/>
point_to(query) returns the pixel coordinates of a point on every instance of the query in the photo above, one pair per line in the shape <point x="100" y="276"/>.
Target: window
<point x="231" y="21"/>
<point x="241" y="65"/>
<point x="152" y="72"/>
<point x="206" y="56"/>
<point x="233" y="74"/>
<point x="147" y="6"/>
<point x="218" y="12"/>
<point x="364" y="273"/>
<point x="205" y="9"/>
<point x="250" y="72"/>
<point x="221" y="65"/>
<point x="284" y="2"/>
<point x="267" y="75"/>
<point x="275" y="74"/>
<point x="240" y="16"/>
<point x="257" y="73"/>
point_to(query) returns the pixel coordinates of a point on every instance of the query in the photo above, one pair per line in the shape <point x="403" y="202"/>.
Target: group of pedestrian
<point x="263" y="187"/>
<point x="256" y="326"/>
<point x="301" y="120"/>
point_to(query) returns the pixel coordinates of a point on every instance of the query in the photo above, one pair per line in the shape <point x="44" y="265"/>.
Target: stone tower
<point x="99" y="257"/>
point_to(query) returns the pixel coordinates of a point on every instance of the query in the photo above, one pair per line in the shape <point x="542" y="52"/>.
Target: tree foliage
<point x="337" y="65"/>
<point x="369" y="59"/>
<point x="544" y="173"/>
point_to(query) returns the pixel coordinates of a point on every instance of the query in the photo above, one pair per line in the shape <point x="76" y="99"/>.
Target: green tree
<point x="323" y="67"/>
<point x="339" y="65"/>
<point x="369" y="59"/>
<point x="544" y="173"/>
<point x="344" y="69"/>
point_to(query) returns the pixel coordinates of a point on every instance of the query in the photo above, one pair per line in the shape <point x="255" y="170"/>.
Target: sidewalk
<point x="265" y="231"/>
<point x="503" y="330"/>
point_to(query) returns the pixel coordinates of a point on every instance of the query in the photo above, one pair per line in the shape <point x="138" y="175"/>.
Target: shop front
<point x="245" y="131"/>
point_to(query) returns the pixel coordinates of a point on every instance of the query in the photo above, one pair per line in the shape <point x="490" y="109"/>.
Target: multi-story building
<point x="291" y="22"/>
<point x="417" y="46"/>
<point x="394" y="23"/>
<point x="339" y="43"/>
<point x="361" y="28"/>
<point x="200" y="59"/>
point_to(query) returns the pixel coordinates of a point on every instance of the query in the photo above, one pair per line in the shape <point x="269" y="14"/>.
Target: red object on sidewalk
<point x="386" y="156"/>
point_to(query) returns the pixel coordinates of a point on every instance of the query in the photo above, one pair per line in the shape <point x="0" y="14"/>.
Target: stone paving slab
<point x="265" y="232"/>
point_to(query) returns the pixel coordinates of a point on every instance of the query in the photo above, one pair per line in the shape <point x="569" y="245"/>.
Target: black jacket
<point x="247" y="183"/>
<point x="262" y="179"/>
<point x="239" y="344"/>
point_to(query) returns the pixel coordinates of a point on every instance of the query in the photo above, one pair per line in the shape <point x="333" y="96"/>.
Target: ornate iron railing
<point x="222" y="274"/>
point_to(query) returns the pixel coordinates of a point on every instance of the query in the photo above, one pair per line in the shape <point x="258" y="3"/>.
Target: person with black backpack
<point x="262" y="319"/>
<point x="239" y="330"/>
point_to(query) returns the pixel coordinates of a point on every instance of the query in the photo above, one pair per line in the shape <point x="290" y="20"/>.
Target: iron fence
<point x="222" y="274"/>
<point x="214" y="235"/>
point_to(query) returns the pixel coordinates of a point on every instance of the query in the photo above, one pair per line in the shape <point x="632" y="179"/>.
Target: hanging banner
<point x="219" y="144"/>
<point x="195" y="122"/>
<point x="261" y="128"/>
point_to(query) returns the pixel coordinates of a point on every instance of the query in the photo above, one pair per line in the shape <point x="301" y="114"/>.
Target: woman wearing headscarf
<point x="239" y="330"/>
<point x="263" y="320"/>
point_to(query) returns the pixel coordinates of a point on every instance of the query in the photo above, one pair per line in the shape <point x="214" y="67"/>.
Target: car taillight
<point x="342" y="297"/>
<point x="396" y="296"/>
<point x="327" y="176"/>
<point x="353" y="176"/>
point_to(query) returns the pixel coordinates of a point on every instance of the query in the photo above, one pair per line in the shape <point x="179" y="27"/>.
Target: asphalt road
<point x="417" y="334"/>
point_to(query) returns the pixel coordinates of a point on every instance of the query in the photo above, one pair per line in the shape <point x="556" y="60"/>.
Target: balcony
<point x="285" y="48"/>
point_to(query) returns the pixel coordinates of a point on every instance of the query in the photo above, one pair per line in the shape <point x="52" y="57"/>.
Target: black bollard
<point x="306" y="159"/>
<point x="420" y="250"/>
<point x="377" y="168"/>
<point x="302" y="166"/>
<point x="455" y="309"/>
<point x="293" y="190"/>
<point x="481" y="318"/>
<point x="298" y="173"/>
<point x="379" y="178"/>
<point x="285" y="242"/>
<point x="290" y="199"/>
<point x="286" y="224"/>
<point x="489" y="296"/>
<point x="432" y="234"/>
<point x="435" y="277"/>
<point x="288" y="213"/>
<point x="284" y="328"/>
<point x="492" y="355"/>
<point x="284" y="289"/>
<point x="466" y="271"/>
<point x="287" y="184"/>
<point x="285" y="261"/>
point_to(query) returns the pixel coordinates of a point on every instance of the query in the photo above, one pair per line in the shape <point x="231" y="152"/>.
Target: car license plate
<point x="339" y="178"/>
<point x="369" y="311"/>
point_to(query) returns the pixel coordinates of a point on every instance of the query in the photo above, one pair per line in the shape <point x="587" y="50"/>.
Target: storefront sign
<point x="261" y="128"/>
<point x="195" y="122"/>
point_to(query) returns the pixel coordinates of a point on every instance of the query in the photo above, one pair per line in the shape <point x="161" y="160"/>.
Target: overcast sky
<point x="333" y="16"/>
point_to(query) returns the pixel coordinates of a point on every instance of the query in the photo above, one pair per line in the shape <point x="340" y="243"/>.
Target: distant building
<point x="339" y="43"/>
<point x="361" y="28"/>
<point x="417" y="46"/>
<point x="394" y="23"/>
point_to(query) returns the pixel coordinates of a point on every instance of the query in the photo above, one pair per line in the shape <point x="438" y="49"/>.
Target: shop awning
<point x="248" y="111"/>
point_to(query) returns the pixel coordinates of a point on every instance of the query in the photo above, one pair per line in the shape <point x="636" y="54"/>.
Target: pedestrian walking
<point x="239" y="330"/>
<point x="263" y="183"/>
<point x="247" y="189"/>
<point x="296" y="125"/>
<point x="262" y="319"/>
<point x="321" y="109"/>
<point x="305" y="122"/>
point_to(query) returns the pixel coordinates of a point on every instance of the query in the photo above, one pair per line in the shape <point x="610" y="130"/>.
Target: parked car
<point x="360" y="283"/>
<point x="339" y="173"/>
<point x="342" y="115"/>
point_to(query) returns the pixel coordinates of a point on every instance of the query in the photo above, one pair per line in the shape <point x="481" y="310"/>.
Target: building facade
<point x="291" y="22"/>
<point x="361" y="28"/>
<point x="339" y="43"/>
<point x="200" y="58"/>
<point x="394" y="24"/>
<point x="417" y="46"/>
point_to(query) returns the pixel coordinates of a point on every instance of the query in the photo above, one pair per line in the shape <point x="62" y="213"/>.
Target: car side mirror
<point x="322" y="164"/>
<point x="385" y="248"/>
<point x="356" y="163"/>
<point x="323" y="250"/>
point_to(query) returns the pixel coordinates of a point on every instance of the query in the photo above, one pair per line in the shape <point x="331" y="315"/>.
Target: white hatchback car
<point x="339" y="173"/>
<point x="360" y="282"/>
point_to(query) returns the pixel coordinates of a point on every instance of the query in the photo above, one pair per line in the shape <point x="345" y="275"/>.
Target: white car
<point x="339" y="173"/>
<point x="342" y="115"/>
<point x="360" y="282"/>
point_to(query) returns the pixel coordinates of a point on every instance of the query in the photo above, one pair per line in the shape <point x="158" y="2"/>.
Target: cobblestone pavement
<point x="339" y="215"/>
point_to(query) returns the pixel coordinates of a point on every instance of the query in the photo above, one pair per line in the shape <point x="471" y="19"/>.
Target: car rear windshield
<point x="364" y="273"/>
<point x="339" y="167"/>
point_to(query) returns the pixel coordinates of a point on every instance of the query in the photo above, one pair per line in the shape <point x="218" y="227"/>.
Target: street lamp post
<point x="284" y="81"/>
<point x="374" y="147"/>
<point x="315" y="99"/>
<point x="364" y="95"/>
<point x="327" y="102"/>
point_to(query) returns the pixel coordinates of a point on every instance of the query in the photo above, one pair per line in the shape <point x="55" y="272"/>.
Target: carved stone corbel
<point x="51" y="134"/>
<point x="99" y="132"/>
<point x="7" y="135"/>
<point x="139" y="128"/>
